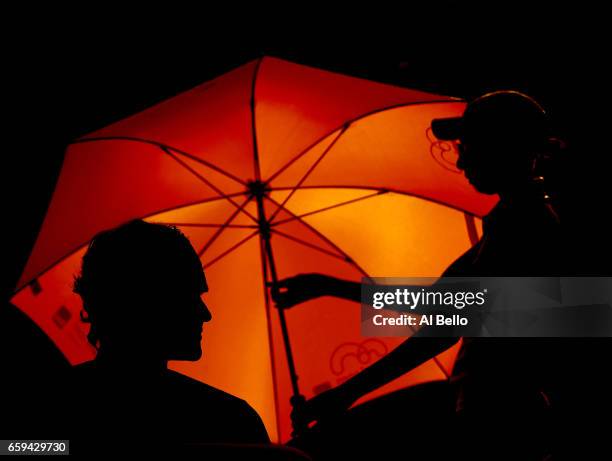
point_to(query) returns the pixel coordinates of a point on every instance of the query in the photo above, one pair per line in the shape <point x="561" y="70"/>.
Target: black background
<point x="67" y="73"/>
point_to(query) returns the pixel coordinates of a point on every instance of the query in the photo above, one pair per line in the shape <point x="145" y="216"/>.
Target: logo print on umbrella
<point x="359" y="353"/>
<point x="445" y="153"/>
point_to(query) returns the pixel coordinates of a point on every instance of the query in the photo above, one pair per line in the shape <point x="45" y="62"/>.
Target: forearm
<point x="346" y="289"/>
<point x="408" y="355"/>
<point x="351" y="291"/>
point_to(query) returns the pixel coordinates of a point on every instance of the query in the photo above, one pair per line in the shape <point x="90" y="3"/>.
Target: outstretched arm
<point x="408" y="355"/>
<point x="304" y="287"/>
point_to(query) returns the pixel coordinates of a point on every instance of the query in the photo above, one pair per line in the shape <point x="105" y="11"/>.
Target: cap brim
<point x="447" y="129"/>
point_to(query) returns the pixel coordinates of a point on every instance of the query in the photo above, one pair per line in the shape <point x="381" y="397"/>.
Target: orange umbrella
<point x="271" y="170"/>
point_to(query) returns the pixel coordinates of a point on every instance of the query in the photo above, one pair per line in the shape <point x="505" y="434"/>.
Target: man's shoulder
<point x="178" y="382"/>
<point x="231" y="411"/>
<point x="205" y="391"/>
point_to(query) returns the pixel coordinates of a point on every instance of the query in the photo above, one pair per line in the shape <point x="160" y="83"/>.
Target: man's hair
<point x="121" y="264"/>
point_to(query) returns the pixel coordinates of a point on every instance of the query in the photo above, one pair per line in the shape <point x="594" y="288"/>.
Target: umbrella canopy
<point x="271" y="170"/>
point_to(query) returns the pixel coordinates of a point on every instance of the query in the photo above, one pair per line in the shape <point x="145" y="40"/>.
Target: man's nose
<point x="206" y="314"/>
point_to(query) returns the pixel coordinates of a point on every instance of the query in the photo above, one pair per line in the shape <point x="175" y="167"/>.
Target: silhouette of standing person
<point x="500" y="137"/>
<point x="142" y="286"/>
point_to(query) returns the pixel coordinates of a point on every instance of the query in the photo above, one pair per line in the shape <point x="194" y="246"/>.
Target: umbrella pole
<point x="264" y="227"/>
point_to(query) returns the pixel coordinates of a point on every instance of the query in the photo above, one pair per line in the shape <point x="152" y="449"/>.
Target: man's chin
<point x="197" y="355"/>
<point x="189" y="356"/>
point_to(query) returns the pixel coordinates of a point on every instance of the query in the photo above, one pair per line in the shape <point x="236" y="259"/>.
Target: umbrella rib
<point x="326" y="240"/>
<point x="222" y="228"/>
<point x="231" y="249"/>
<point x="196" y="202"/>
<point x="309" y="171"/>
<point x="470" y="224"/>
<point x="161" y="145"/>
<point x="353" y="120"/>
<point x="207" y="182"/>
<point x="337" y="205"/>
<point x="229" y="226"/>
<point x="385" y="189"/>
<point x="253" y="121"/>
<point x="309" y="245"/>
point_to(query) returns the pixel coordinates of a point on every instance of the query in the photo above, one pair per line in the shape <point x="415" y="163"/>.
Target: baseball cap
<point x="507" y="113"/>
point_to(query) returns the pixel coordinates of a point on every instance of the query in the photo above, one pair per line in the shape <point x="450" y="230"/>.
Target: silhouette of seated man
<point x="142" y="286"/>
